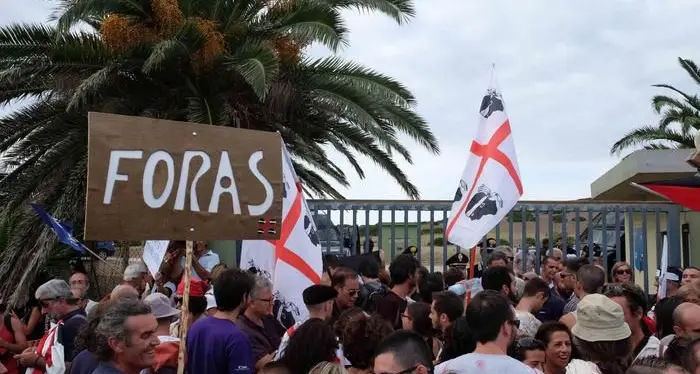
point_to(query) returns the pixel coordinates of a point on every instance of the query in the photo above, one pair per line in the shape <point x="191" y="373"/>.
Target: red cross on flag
<point x="294" y="262"/>
<point x="490" y="185"/>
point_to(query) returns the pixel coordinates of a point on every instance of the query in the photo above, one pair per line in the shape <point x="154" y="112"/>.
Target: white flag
<point x="294" y="262"/>
<point x="490" y="185"/>
<point x="661" y="292"/>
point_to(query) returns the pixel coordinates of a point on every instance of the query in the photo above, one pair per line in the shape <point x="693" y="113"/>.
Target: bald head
<point x="123" y="292"/>
<point x="686" y="320"/>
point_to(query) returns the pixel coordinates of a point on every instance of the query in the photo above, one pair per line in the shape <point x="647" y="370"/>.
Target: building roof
<point x="641" y="166"/>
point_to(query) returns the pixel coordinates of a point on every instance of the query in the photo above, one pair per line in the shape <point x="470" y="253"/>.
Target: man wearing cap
<point x="56" y="299"/>
<point x="319" y="301"/>
<point x="167" y="350"/>
<point x="457" y="261"/>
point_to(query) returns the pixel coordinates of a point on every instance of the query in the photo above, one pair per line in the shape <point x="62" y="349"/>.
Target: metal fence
<point x="613" y="228"/>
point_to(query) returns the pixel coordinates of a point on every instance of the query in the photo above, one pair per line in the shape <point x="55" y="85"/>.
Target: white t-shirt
<point x="479" y="363"/>
<point x="208" y="261"/>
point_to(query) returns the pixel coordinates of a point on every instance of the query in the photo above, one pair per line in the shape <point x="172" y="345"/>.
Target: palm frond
<point x="400" y="10"/>
<point x="314" y="22"/>
<point x="691" y="68"/>
<point x="649" y="134"/>
<point x="257" y="64"/>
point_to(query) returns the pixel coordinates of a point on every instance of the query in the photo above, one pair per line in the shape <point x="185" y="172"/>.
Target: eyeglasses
<point x="406" y="316"/>
<point x="564" y="275"/>
<point x="515" y="323"/>
<point x="623" y="271"/>
<point x="266" y="300"/>
<point x="353" y="292"/>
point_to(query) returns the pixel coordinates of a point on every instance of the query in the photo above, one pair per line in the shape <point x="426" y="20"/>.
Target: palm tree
<point x="222" y="62"/>
<point x="680" y="119"/>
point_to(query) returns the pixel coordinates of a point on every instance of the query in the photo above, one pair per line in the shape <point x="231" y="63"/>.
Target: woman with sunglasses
<point x="621" y="273"/>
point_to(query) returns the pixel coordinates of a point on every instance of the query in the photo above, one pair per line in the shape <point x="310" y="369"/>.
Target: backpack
<point x="373" y="292"/>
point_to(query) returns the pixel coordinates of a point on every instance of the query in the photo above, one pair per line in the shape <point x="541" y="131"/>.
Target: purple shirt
<point x="218" y="346"/>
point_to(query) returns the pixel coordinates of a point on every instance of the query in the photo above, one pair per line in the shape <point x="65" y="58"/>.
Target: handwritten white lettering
<point x="224" y="182"/>
<point x="259" y="210"/>
<point x="148" y="178"/>
<point x="113" y="171"/>
<point x="225" y="172"/>
<point x="182" y="185"/>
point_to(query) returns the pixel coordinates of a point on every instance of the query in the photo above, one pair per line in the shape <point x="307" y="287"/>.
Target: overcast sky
<point x="575" y="77"/>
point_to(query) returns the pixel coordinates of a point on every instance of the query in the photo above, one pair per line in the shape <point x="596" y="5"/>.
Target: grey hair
<point x="113" y="325"/>
<point x="261" y="283"/>
<point x="134" y="271"/>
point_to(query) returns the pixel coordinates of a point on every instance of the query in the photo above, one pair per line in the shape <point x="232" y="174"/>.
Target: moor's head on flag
<point x="490" y="184"/>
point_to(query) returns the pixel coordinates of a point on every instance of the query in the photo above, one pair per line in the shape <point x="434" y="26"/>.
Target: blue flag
<point x="64" y="233"/>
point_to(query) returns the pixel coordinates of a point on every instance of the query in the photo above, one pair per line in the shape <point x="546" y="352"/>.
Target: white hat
<point x="160" y="306"/>
<point x="598" y="318"/>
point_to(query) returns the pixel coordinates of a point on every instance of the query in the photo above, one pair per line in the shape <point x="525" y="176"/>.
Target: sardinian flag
<point x="294" y="262"/>
<point x="490" y="185"/>
<point x="50" y="348"/>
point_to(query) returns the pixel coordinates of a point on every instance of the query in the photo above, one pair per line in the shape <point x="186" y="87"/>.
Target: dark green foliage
<point x="257" y="77"/>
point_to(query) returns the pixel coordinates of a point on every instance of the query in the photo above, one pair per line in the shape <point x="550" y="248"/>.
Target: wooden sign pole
<point x="184" y="311"/>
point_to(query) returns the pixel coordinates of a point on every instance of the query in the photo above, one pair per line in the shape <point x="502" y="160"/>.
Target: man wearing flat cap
<point x="55" y="350"/>
<point x="319" y="301"/>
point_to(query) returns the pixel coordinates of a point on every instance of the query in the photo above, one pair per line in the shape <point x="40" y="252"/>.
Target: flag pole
<point x="184" y="312"/>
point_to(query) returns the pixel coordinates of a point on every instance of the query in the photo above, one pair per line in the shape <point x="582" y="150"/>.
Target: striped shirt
<point x="571" y="304"/>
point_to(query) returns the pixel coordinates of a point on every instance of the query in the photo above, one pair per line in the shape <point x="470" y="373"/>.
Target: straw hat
<point x="598" y="318"/>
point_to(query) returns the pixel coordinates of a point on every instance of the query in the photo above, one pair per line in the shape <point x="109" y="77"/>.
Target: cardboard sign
<point x="151" y="178"/>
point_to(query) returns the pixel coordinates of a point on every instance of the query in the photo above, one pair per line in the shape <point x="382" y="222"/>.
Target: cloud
<point x="575" y="77"/>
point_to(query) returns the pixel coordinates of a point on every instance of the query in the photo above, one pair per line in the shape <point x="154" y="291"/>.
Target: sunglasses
<point x="623" y="271"/>
<point x="515" y="323"/>
<point x="353" y="292"/>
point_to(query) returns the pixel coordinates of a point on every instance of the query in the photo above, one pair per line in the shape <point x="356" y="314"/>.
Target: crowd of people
<point x="571" y="318"/>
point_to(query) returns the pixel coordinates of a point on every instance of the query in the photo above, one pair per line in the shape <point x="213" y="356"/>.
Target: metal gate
<point x="622" y="231"/>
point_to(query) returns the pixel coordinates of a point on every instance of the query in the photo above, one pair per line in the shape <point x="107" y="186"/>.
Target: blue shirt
<point x="73" y="322"/>
<point x="106" y="368"/>
<point x="553" y="309"/>
<point x="84" y="362"/>
<point x="218" y="346"/>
